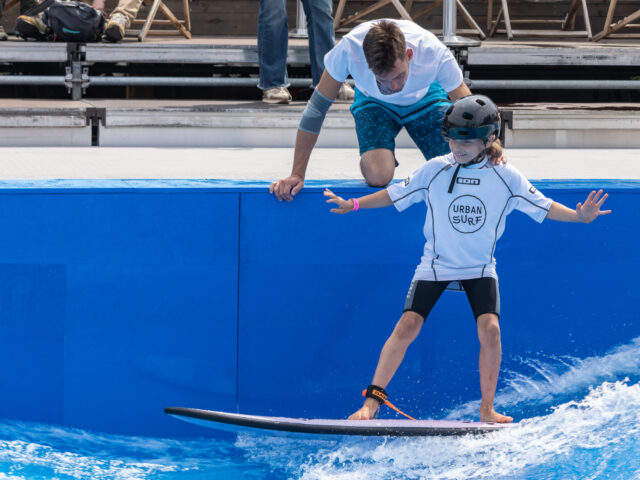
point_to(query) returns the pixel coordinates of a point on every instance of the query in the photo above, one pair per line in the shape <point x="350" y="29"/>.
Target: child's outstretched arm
<point x="584" y="213"/>
<point x="375" y="200"/>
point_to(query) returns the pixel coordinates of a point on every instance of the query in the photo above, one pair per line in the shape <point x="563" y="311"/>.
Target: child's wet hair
<point x="495" y="149"/>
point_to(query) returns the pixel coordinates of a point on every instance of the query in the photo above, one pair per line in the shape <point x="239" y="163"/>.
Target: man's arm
<point x="286" y="188"/>
<point x="460" y="91"/>
<point x="586" y="213"/>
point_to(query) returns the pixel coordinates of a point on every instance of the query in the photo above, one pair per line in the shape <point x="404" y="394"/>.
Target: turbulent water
<point x="582" y="422"/>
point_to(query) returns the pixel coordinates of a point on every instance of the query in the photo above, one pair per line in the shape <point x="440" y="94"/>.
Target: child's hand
<point x="344" y="206"/>
<point x="588" y="212"/>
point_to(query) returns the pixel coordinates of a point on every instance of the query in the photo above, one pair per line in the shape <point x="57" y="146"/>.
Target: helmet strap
<point x="477" y="159"/>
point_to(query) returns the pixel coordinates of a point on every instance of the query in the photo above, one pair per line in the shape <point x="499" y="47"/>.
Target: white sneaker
<point x="114" y="31"/>
<point x="346" y="93"/>
<point x="276" y="95"/>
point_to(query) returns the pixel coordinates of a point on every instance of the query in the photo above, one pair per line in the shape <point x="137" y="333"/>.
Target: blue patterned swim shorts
<point x="378" y="123"/>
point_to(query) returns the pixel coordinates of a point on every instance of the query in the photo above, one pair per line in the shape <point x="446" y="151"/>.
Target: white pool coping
<point x="273" y="163"/>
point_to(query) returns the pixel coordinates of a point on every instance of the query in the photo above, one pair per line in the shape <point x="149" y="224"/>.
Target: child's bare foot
<point x="490" y="415"/>
<point x="365" y="413"/>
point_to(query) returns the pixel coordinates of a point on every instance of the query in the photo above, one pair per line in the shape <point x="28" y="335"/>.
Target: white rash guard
<point x="462" y="227"/>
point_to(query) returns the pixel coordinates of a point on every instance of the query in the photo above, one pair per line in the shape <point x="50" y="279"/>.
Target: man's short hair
<point x="383" y="45"/>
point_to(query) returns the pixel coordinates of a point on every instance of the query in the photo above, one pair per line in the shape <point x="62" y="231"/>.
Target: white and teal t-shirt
<point x="432" y="61"/>
<point x="462" y="227"/>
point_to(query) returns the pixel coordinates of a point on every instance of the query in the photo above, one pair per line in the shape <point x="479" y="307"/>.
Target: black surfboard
<point x="236" y="422"/>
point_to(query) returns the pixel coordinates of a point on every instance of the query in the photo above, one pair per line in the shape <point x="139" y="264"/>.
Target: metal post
<point x="301" y="23"/>
<point x="449" y="37"/>
<point x="74" y="80"/>
<point x="77" y="77"/>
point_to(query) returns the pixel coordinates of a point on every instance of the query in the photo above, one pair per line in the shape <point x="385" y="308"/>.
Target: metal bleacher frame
<point x="404" y="11"/>
<point x="610" y="29"/>
<point x="77" y="61"/>
<point x="182" y="27"/>
<point x="566" y="24"/>
<point x="340" y="23"/>
<point x="474" y="27"/>
<point x="10" y="4"/>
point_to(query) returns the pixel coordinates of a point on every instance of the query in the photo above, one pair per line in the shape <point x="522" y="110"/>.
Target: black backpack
<point x="69" y="21"/>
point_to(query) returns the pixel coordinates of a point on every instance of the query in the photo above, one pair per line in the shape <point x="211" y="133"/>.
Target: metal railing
<point x="77" y="78"/>
<point x="304" y="82"/>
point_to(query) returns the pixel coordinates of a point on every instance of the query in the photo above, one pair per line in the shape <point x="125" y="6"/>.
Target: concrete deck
<point x="200" y="123"/>
<point x="271" y="163"/>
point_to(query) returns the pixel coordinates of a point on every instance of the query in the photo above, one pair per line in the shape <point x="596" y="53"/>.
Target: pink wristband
<point x="356" y="204"/>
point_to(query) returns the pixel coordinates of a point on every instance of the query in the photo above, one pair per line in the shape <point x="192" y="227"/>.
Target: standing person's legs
<point x="484" y="298"/>
<point x="128" y="8"/>
<point x="31" y="26"/>
<point x="273" y="40"/>
<point x="421" y="298"/>
<point x="322" y="38"/>
<point x="3" y="34"/>
<point x="489" y="363"/>
<point x="120" y="19"/>
<point x="321" y="34"/>
<point x="391" y="357"/>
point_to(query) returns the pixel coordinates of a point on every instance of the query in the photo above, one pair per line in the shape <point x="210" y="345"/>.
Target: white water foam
<point x="29" y="460"/>
<point x="581" y="440"/>
<point x="559" y="377"/>
<point x="50" y="452"/>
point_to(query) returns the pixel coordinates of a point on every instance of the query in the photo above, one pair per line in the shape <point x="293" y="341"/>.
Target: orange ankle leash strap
<point x="380" y="395"/>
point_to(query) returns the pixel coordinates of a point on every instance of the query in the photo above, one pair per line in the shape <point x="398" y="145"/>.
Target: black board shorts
<point x="483" y="295"/>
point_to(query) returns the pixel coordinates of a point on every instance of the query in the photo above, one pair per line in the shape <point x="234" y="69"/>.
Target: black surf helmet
<point x="473" y="116"/>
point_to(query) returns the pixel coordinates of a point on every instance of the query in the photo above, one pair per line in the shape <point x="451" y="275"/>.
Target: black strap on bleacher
<point x="36" y="9"/>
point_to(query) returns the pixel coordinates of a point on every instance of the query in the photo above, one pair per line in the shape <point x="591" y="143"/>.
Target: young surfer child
<point x="468" y="199"/>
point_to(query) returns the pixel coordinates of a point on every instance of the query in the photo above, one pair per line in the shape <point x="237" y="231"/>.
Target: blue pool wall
<point x="119" y="298"/>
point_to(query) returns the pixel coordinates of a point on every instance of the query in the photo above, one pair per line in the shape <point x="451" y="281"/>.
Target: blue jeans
<point x="273" y="38"/>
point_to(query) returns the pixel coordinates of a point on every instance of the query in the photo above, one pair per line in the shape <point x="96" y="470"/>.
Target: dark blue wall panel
<point x="166" y="335"/>
<point x="32" y="318"/>
<point x="138" y="310"/>
<point x="570" y="288"/>
<point x="315" y="292"/>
